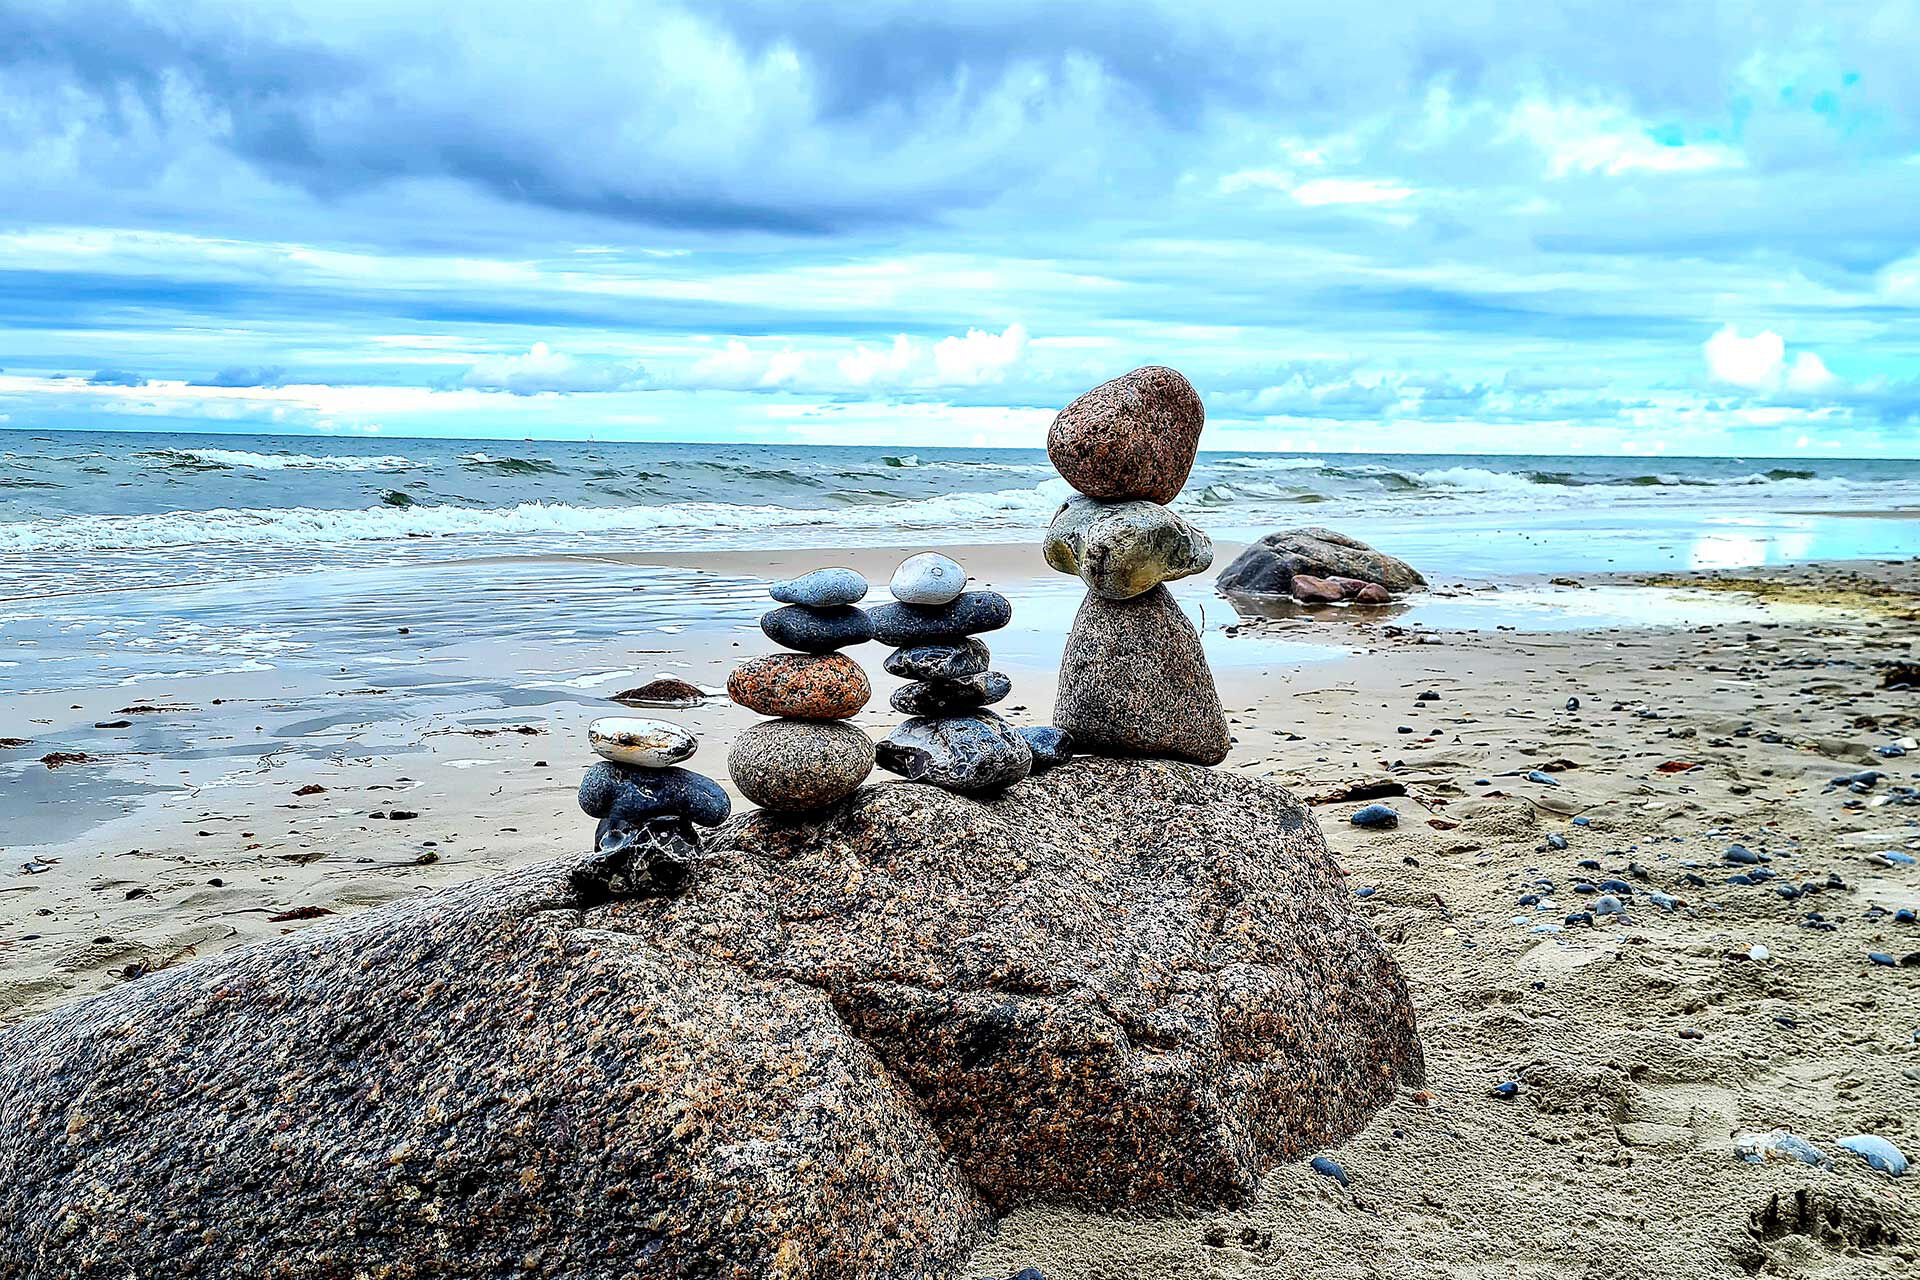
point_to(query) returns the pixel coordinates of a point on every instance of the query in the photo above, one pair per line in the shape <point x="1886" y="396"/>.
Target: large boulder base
<point x="1119" y="982"/>
<point x="472" y="1083"/>
<point x="1267" y="568"/>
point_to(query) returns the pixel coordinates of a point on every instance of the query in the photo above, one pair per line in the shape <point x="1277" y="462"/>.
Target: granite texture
<point x="964" y="615"/>
<point x="946" y="697"/>
<point x="828" y="686"/>
<point x="1121" y="549"/>
<point x="797" y="765"/>
<point x="840" y="1045"/>
<point x="1134" y="436"/>
<point x="1134" y="680"/>
<point x="1267" y="568"/>
<point x="484" y="1081"/>
<point x="1118" y="982"/>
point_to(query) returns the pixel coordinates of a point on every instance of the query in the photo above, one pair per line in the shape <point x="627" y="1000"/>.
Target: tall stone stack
<point x="952" y="740"/>
<point x="1134" y="679"/>
<point x="647" y="805"/>
<point x="808" y="756"/>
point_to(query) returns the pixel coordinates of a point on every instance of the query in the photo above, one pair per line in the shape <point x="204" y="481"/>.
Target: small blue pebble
<point x="1329" y="1167"/>
<point x="1905" y="859"/>
<point x="1882" y="958"/>
<point x="1547" y="778"/>
<point x="1584" y="887"/>
<point x="1904" y="916"/>
<point x="1529" y="899"/>
<point x="1367" y="892"/>
<point x="1890" y="750"/>
<point x="1556" y="841"/>
<point x="1506" y="1089"/>
<point x="1582" y="822"/>
<point x="1375" y="816"/>
<point x="1876" y="1151"/>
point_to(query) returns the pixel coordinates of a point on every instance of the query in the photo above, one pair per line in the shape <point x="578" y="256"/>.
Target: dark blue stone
<point x="640" y="795"/>
<point x="967" y="614"/>
<point x="1051" y="746"/>
<point x="816" y="630"/>
<point x="1506" y="1089"/>
<point x="1377" y="816"/>
<point x="1741" y="854"/>
<point x="1882" y="958"/>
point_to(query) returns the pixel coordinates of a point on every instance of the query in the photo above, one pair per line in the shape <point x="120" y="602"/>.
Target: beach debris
<point x="1375" y="817"/>
<point x="300" y="913"/>
<point x="1878" y="1152"/>
<point x="1778" y="1145"/>
<point x="666" y="692"/>
<point x="310" y="789"/>
<point x="10" y="744"/>
<point x="951" y="739"/>
<point x="59" y="759"/>
<point x="807" y="757"/>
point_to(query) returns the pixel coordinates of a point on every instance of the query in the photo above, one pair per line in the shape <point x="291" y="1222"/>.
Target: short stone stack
<point x="808" y="757"/>
<point x="952" y="740"/>
<point x="1134" y="679"/>
<point x="648" y="808"/>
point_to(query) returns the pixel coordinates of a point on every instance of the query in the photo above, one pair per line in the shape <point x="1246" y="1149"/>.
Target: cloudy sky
<point x="1682" y="227"/>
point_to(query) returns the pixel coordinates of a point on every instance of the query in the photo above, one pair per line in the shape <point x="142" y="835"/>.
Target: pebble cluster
<point x="807" y="757"/>
<point x="1133" y="679"/>
<point x="952" y="740"/>
<point x="647" y="805"/>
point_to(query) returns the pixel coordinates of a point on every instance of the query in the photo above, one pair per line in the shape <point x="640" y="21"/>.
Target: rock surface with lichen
<point x="839" y="1049"/>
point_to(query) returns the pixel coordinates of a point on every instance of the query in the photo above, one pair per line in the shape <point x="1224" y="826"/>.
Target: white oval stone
<point x="928" y="578"/>
<point x="650" y="744"/>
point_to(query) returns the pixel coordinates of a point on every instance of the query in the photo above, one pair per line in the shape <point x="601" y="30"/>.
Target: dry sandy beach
<point x="1640" y="1045"/>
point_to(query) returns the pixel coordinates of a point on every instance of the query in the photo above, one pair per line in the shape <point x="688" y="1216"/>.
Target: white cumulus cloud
<point x="542" y="369"/>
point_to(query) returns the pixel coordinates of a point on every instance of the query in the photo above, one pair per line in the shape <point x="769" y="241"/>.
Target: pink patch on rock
<point x="1311" y="590"/>
<point x="1372" y="593"/>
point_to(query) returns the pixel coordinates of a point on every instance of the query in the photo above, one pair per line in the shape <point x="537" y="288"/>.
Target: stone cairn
<point x="809" y="757"/>
<point x="952" y="740"/>
<point x="1134" y="679"/>
<point x="648" y="807"/>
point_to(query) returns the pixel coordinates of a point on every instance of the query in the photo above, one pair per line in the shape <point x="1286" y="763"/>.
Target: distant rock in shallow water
<point x="664" y="692"/>
<point x="1267" y="568"/>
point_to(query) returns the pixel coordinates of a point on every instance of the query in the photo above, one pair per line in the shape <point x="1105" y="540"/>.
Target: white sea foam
<point x="242" y="458"/>
<point x="1273" y="464"/>
<point x="309" y="525"/>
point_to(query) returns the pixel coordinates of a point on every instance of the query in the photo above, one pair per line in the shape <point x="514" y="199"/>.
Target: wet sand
<point x="1640" y="1046"/>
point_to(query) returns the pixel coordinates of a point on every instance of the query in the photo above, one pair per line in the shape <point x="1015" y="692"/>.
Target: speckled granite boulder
<point x="1267" y="568"/>
<point x="825" y="686"/>
<point x="1118" y="982"/>
<point x="1134" y="680"/>
<point x="1133" y="436"/>
<point x="1121" y="549"/>
<point x="479" y="1082"/>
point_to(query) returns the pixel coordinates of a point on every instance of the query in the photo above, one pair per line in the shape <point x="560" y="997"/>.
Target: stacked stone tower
<point x="952" y="740"/>
<point x="808" y="757"/>
<point x="1133" y="679"/>
<point x="648" y="806"/>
